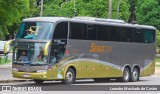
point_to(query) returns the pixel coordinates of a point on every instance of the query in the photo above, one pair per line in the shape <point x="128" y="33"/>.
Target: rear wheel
<point x="126" y="75"/>
<point x="38" y="81"/>
<point x="69" y="77"/>
<point x="134" y="75"/>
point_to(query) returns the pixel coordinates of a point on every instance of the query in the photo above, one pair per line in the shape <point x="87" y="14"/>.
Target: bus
<point x="67" y="49"/>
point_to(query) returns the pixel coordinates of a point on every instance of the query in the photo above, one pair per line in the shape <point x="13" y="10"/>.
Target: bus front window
<point x="33" y="55"/>
<point x="35" y="30"/>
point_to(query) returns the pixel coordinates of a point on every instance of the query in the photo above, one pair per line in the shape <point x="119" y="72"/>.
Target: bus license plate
<point x="26" y="75"/>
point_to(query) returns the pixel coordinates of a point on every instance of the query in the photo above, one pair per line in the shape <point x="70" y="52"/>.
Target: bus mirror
<point x="46" y="48"/>
<point x="7" y="46"/>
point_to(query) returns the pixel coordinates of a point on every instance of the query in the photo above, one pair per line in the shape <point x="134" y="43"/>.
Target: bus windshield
<point x="35" y="30"/>
<point x="32" y="55"/>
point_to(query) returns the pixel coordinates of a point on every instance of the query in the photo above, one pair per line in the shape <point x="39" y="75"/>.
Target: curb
<point x="10" y="81"/>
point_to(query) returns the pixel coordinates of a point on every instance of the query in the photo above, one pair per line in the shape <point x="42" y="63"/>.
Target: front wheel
<point x="69" y="77"/>
<point x="134" y="75"/>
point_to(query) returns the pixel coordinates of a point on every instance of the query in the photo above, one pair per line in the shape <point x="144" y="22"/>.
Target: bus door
<point x="59" y="41"/>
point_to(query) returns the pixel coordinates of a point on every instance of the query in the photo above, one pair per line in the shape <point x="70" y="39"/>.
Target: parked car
<point x="2" y="44"/>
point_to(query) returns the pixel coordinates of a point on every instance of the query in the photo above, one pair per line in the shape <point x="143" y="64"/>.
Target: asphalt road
<point x="149" y="80"/>
<point x="88" y="86"/>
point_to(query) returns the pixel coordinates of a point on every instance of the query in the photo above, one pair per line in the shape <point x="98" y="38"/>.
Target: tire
<point x="38" y="81"/>
<point x="126" y="75"/>
<point x="134" y="75"/>
<point x="69" y="77"/>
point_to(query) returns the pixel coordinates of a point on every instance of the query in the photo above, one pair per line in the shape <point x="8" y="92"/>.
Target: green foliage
<point x="10" y="13"/>
<point x="158" y="38"/>
<point x="13" y="11"/>
<point x="93" y="8"/>
<point x="123" y="10"/>
<point x="148" y="12"/>
<point x="33" y="9"/>
<point x="4" y="60"/>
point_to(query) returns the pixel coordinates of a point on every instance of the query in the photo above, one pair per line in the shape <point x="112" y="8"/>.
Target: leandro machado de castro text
<point x="133" y="88"/>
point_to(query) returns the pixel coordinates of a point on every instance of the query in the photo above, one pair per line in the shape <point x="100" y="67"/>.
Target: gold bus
<point x="66" y="49"/>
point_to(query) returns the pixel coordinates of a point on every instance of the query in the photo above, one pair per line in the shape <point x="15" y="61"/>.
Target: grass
<point x="11" y="49"/>
<point x="2" y="61"/>
<point x="157" y="59"/>
<point x="158" y="65"/>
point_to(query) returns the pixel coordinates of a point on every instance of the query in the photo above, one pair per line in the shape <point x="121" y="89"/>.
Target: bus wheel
<point x="134" y="75"/>
<point x="38" y="81"/>
<point x="69" y="77"/>
<point x="126" y="75"/>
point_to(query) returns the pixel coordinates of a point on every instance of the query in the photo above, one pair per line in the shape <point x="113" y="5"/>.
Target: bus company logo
<point x="6" y="88"/>
<point x="34" y="29"/>
<point x="100" y="48"/>
<point x="19" y="88"/>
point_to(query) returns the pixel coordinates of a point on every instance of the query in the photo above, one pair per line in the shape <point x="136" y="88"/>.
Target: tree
<point x="93" y="8"/>
<point x="148" y="12"/>
<point x="11" y="12"/>
<point x="132" y="17"/>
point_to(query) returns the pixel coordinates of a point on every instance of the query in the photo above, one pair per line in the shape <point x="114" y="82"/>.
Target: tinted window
<point x="85" y="32"/>
<point x="138" y="36"/>
<point x="61" y="31"/>
<point x="149" y="36"/>
<point x="76" y="31"/>
<point x="102" y="32"/>
<point x="127" y="34"/>
<point x="115" y="33"/>
<point x="35" y="30"/>
<point x="91" y="32"/>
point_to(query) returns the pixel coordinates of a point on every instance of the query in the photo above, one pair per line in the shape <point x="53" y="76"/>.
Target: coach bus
<point x="66" y="49"/>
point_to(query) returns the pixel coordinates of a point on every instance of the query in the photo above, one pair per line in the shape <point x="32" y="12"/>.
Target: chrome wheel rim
<point x="69" y="76"/>
<point x="135" y="74"/>
<point x="126" y="75"/>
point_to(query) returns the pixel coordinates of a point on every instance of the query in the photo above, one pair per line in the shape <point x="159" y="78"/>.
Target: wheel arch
<point x="74" y="69"/>
<point x="71" y="66"/>
<point x="127" y="66"/>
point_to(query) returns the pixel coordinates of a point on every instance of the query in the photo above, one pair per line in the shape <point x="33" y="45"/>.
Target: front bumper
<point x="26" y="75"/>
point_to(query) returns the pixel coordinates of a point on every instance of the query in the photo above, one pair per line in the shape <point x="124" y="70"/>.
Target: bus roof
<point x="93" y="20"/>
<point x="47" y="19"/>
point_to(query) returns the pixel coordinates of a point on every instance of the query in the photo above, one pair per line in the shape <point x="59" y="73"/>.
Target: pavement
<point x="6" y="73"/>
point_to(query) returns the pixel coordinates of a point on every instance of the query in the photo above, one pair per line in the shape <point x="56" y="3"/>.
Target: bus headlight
<point x="40" y="71"/>
<point x="14" y="69"/>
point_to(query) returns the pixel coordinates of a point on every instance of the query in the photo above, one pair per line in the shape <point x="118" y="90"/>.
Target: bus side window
<point x="102" y="32"/>
<point x="76" y="30"/>
<point x="148" y="36"/>
<point x="138" y="36"/>
<point x="115" y="34"/>
<point x="92" y="32"/>
<point x="127" y="34"/>
<point x="61" y="31"/>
